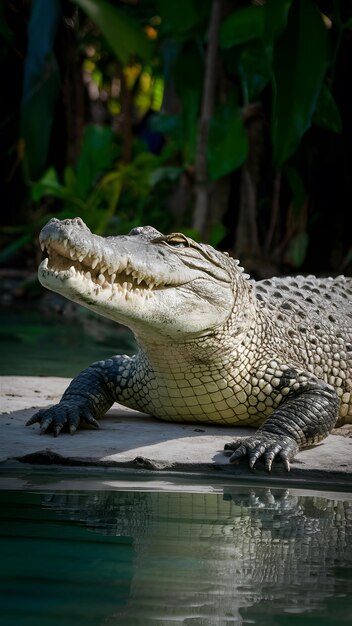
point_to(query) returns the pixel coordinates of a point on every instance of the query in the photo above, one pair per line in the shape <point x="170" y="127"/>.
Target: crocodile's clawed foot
<point x="264" y="446"/>
<point x="63" y="416"/>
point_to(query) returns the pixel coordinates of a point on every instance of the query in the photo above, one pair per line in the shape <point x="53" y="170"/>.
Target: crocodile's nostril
<point x="79" y="222"/>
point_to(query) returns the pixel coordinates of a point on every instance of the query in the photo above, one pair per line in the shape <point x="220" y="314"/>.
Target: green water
<point x="35" y="343"/>
<point x="122" y="557"/>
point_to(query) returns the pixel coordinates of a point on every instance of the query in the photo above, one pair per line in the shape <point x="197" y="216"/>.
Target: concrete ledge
<point x="129" y="439"/>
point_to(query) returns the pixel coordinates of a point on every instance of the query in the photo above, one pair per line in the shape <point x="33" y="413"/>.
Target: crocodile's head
<point x="172" y="284"/>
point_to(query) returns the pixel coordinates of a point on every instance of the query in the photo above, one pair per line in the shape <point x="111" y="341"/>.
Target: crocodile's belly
<point x="208" y="399"/>
<point x="222" y="396"/>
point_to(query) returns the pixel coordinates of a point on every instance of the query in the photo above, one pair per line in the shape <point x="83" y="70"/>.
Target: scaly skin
<point x="214" y="347"/>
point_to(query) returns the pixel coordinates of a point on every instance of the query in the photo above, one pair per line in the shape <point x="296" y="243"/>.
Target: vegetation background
<point x="229" y="120"/>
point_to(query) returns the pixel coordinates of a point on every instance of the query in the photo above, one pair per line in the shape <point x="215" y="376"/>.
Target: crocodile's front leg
<point x="88" y="397"/>
<point x="307" y="416"/>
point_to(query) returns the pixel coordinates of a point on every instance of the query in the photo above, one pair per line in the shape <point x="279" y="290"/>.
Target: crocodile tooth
<point x="111" y="270"/>
<point x="139" y="280"/>
<point x="72" y="269"/>
<point x="95" y="262"/>
<point x="129" y="286"/>
<point x="88" y="276"/>
<point x="103" y="269"/>
<point x="101" y="279"/>
<point x="65" y="242"/>
<point x="151" y="285"/>
<point x="112" y="278"/>
<point x="72" y="253"/>
<point x="124" y="285"/>
<point x="45" y="263"/>
<point x="42" y="245"/>
<point x="128" y="271"/>
<point x="81" y="257"/>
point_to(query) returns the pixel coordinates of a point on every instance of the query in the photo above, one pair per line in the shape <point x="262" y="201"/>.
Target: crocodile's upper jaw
<point x="133" y="280"/>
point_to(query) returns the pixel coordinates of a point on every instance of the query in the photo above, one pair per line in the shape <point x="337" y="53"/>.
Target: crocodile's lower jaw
<point x="86" y="288"/>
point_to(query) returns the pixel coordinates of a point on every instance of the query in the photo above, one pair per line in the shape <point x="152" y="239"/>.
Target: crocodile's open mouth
<point x="65" y="262"/>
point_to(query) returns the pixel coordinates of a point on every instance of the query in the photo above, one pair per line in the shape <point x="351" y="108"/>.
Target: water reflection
<point x="258" y="556"/>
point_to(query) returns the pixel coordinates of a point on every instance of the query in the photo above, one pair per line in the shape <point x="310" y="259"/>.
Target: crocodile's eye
<point x="174" y="239"/>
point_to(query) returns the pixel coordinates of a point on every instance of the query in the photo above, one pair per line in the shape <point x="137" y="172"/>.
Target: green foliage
<point x="120" y="30"/>
<point x="178" y="18"/>
<point x="87" y="188"/>
<point x="301" y="58"/>
<point x="275" y="19"/>
<point x="216" y="235"/>
<point x="298" y="249"/>
<point x="92" y="190"/>
<point x="326" y="113"/>
<point x="40" y="86"/>
<point x="242" y="26"/>
<point x="227" y="144"/>
<point x="97" y="155"/>
<point x="279" y="53"/>
<point x="283" y="45"/>
<point x="254" y="69"/>
<point x="188" y="70"/>
<point x="286" y="43"/>
<point x="297" y="188"/>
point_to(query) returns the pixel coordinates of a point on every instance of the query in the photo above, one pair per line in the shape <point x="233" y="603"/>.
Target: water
<point x="45" y="343"/>
<point x="132" y="556"/>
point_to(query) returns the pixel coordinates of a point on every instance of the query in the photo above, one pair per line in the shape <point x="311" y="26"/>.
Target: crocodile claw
<point x="265" y="446"/>
<point x="63" y="416"/>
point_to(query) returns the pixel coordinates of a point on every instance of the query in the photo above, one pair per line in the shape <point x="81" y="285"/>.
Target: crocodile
<point x="214" y="346"/>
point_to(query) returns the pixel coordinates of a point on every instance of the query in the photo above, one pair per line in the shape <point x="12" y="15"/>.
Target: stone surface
<point x="131" y="439"/>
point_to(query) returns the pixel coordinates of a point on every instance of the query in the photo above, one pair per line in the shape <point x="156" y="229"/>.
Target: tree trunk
<point x="202" y="187"/>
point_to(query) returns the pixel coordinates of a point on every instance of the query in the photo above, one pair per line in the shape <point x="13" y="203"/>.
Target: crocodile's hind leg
<point x="307" y="416"/>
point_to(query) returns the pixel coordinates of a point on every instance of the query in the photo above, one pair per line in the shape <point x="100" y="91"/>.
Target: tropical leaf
<point x="217" y="233"/>
<point x="275" y="19"/>
<point x="227" y="141"/>
<point x="40" y="86"/>
<point x="102" y="202"/>
<point x="124" y="35"/>
<point x="188" y="73"/>
<point x="244" y="25"/>
<point x="298" y="249"/>
<point x="254" y="69"/>
<point x="96" y="157"/>
<point x="166" y="172"/>
<point x="297" y="188"/>
<point x="48" y="185"/>
<point x="327" y="114"/>
<point x="301" y="58"/>
<point x="177" y="17"/>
